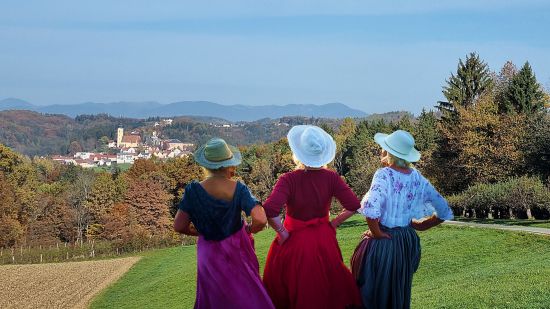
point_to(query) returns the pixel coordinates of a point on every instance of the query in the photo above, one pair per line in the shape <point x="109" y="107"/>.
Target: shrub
<point x="524" y="197"/>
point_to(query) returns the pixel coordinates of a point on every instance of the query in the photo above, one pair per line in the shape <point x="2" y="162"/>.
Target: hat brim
<point x="202" y="161"/>
<point x="412" y="156"/>
<point x="322" y="159"/>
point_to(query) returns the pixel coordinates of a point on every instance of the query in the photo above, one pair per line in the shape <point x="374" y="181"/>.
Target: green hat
<point x="400" y="144"/>
<point x="216" y="153"/>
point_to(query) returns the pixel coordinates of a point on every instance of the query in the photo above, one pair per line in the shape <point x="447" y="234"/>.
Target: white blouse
<point x="396" y="198"/>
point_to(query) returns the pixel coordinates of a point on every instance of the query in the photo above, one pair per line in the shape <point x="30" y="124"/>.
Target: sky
<point x="376" y="56"/>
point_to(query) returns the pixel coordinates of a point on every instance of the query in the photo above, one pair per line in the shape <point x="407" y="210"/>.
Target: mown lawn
<point x="461" y="267"/>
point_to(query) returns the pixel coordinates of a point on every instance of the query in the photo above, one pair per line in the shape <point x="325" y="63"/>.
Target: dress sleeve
<point x="344" y="194"/>
<point x="248" y="200"/>
<point x="431" y="196"/>
<point x="372" y="202"/>
<point x="186" y="204"/>
<point x="278" y="197"/>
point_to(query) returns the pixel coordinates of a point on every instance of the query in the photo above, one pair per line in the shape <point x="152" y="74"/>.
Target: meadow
<point x="461" y="267"/>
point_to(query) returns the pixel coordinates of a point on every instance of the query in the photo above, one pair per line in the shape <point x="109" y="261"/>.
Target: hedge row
<point x="521" y="198"/>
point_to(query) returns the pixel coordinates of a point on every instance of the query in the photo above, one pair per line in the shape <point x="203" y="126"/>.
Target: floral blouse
<point x="396" y="198"/>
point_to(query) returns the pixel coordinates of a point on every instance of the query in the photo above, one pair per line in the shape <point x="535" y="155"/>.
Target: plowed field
<point x="58" y="285"/>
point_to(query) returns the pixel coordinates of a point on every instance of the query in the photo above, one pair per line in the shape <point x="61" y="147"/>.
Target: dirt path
<point x="58" y="285"/>
<point x="528" y="229"/>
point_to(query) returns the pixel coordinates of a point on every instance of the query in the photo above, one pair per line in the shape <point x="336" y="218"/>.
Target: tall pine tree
<point x="472" y="79"/>
<point x="524" y="94"/>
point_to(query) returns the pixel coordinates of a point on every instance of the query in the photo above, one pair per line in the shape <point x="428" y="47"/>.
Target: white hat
<point x="400" y="144"/>
<point x="311" y="145"/>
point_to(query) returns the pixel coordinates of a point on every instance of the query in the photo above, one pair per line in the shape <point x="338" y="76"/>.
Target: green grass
<point x="123" y="167"/>
<point x="521" y="222"/>
<point x="461" y="267"/>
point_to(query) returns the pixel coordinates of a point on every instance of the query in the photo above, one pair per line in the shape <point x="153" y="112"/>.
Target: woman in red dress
<point x="304" y="267"/>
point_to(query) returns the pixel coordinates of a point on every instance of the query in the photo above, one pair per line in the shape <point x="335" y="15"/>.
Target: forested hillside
<point x="32" y="133"/>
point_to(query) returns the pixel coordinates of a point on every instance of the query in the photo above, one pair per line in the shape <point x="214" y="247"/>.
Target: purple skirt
<point x="228" y="274"/>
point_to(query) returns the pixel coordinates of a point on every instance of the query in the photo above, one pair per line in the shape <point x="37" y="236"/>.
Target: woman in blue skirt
<point x="390" y="250"/>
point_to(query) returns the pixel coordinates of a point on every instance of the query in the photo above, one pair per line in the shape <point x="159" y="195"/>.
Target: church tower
<point x="119" y="135"/>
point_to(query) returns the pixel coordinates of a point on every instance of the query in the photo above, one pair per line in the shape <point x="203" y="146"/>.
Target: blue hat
<point x="311" y="145"/>
<point x="216" y="153"/>
<point x="400" y="144"/>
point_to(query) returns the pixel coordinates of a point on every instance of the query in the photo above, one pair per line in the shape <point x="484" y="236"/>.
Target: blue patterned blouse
<point x="396" y="198"/>
<point x="216" y="219"/>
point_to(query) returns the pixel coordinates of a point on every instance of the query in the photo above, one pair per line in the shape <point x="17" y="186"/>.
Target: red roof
<point x="134" y="139"/>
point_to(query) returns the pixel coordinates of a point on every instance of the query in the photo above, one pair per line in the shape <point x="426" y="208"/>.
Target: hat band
<point x="393" y="148"/>
<point x="220" y="160"/>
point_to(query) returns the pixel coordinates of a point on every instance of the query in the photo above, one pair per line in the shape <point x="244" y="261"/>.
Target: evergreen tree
<point x="472" y="79"/>
<point x="425" y="131"/>
<point x="524" y="94"/>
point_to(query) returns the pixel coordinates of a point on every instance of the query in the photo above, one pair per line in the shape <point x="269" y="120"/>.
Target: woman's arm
<point x="343" y="216"/>
<point x="259" y="219"/>
<point x="426" y="224"/>
<point x="375" y="231"/>
<point x="277" y="225"/>
<point x="182" y="224"/>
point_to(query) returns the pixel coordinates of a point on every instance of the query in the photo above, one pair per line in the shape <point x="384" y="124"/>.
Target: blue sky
<point x="376" y="56"/>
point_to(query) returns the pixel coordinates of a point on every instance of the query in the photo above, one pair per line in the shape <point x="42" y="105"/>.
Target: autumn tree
<point x="151" y="204"/>
<point x="74" y="147"/>
<point x="501" y="83"/>
<point x="180" y="172"/>
<point x="364" y="155"/>
<point x="78" y="196"/>
<point x="342" y="138"/>
<point x="102" y="197"/>
<point x="8" y="159"/>
<point x="141" y="167"/>
<point x="11" y="230"/>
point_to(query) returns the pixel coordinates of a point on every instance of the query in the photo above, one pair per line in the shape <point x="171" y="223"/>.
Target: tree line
<point x="491" y="137"/>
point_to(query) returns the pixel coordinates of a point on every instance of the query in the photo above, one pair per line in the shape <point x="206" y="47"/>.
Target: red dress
<point x="307" y="271"/>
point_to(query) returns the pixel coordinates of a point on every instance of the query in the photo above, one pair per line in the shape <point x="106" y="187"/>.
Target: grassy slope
<point x="461" y="268"/>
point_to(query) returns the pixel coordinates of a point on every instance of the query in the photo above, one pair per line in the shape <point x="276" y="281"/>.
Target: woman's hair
<point x="390" y="159"/>
<point x="300" y="165"/>
<point x="209" y="172"/>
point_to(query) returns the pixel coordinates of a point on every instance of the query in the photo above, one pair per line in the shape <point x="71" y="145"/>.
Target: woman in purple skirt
<point x="227" y="267"/>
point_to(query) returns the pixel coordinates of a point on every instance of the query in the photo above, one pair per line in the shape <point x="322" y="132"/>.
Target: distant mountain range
<point x="188" y="108"/>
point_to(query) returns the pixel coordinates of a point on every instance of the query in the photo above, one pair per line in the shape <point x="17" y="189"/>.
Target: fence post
<point x="13" y="259"/>
<point x="67" y="255"/>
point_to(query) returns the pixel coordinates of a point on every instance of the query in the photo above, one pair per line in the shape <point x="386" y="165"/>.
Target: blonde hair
<point x="390" y="159"/>
<point x="300" y="165"/>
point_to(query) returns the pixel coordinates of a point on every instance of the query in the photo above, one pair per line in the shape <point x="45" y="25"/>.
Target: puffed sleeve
<point x="344" y="194"/>
<point x="431" y="196"/>
<point x="278" y="197"/>
<point x="186" y="204"/>
<point x="372" y="202"/>
<point x="248" y="200"/>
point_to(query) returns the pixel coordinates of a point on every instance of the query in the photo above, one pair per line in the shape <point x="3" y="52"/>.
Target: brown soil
<point x="58" y="285"/>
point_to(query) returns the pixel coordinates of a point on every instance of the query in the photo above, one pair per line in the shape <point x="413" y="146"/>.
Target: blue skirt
<point x="388" y="268"/>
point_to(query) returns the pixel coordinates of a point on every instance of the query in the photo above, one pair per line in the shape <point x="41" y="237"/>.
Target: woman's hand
<point x="381" y="235"/>
<point x="282" y="236"/>
<point x="418" y="225"/>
